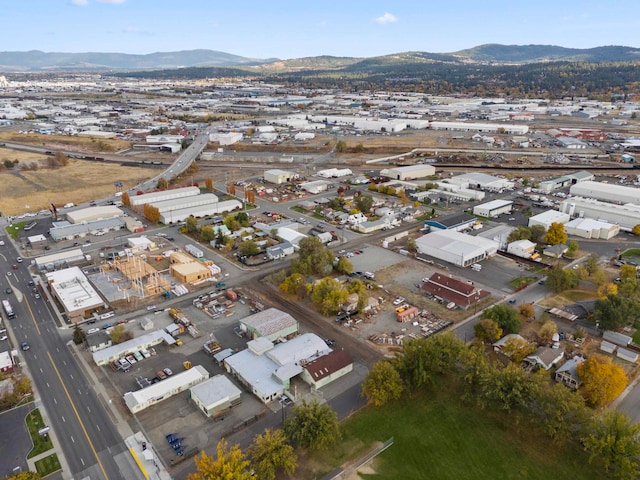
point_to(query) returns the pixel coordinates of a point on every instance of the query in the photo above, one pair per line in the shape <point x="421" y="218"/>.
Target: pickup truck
<point x="161" y="375"/>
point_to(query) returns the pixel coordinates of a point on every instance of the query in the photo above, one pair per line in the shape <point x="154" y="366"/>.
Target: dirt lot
<point x="84" y="144"/>
<point x="80" y="181"/>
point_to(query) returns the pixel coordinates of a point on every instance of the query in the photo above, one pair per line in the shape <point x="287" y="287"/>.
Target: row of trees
<point x="562" y="413"/>
<point x="311" y="426"/>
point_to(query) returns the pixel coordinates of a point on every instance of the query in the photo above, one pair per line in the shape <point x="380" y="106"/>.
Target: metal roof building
<point x="606" y="192"/>
<point x="455" y="247"/>
<point x="199" y="211"/>
<point x="215" y="395"/>
<point x="271" y="324"/>
<point x="74" y="292"/>
<point x="91" y="214"/>
<point x="137" y="200"/>
<point x="69" y="231"/>
<point x="185" y="202"/>
<point x="626" y="216"/>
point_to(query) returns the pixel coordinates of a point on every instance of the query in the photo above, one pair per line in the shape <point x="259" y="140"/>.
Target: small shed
<point x="627" y="355"/>
<point x="608" y="347"/>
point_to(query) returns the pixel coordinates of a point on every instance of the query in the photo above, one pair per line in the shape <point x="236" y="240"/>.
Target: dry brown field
<point x="80" y="181"/>
<point x="65" y="142"/>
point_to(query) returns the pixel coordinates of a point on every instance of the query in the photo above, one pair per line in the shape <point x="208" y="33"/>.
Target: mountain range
<point x="35" y="60"/>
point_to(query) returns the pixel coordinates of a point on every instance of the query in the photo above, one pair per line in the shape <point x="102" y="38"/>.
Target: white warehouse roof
<point x="200" y="211"/>
<point x="185" y="202"/>
<point x="73" y="289"/>
<point x="607" y="192"/>
<point x="93" y="213"/>
<point x="159" y="196"/>
<point x="547" y="218"/>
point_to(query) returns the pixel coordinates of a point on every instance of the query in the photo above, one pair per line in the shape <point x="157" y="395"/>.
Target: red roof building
<point x="463" y="294"/>
<point x="327" y="368"/>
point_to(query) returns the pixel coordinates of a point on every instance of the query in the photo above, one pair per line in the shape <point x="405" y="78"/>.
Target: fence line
<point x="365" y="459"/>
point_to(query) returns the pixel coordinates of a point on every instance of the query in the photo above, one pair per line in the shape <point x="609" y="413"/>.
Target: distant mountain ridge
<point x="36" y="60"/>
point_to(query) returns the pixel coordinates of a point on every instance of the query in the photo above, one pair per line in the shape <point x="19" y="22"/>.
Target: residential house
<point x="545" y="357"/>
<point x="567" y="374"/>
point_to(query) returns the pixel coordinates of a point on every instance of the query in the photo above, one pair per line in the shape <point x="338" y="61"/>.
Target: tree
<point x="162" y="184"/>
<point x="487" y="330"/>
<point x="424" y="358"/>
<point x="510" y="387"/>
<point x="607" y="289"/>
<point x="117" y="333"/>
<point x="344" y="266"/>
<point x="592" y="263"/>
<point x="412" y="246"/>
<point x="220" y="238"/>
<point x="313" y="258"/>
<point x="126" y="201"/>
<point x="615" y="441"/>
<point x="191" y="224"/>
<point x="248" y="248"/>
<point x="312" y="425"/>
<point x="563" y="412"/>
<point x="556" y="234"/>
<point x="363" y="203"/>
<point x="359" y="288"/>
<point x="505" y="316"/>
<point x="61" y="159"/>
<point x="151" y="213"/>
<point x="517" y="349"/>
<point x="521" y="232"/>
<point x="527" y="311"/>
<point x="382" y="384"/>
<point x="602" y="380"/>
<point x="329" y="294"/>
<point x="243" y="219"/>
<point x="232" y="223"/>
<point x="560" y="279"/>
<point x="293" y="284"/>
<point x="537" y="233"/>
<point x="572" y="248"/>
<point x="636" y="229"/>
<point x="78" y="335"/>
<point x="208" y="183"/>
<point x="547" y="330"/>
<point x="24" y="476"/>
<point x="615" y="312"/>
<point x="207" y="233"/>
<point x="341" y="146"/>
<point x="229" y="464"/>
<point x="270" y="452"/>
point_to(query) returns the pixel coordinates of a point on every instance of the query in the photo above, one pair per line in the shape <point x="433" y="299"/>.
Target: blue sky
<point x="301" y="28"/>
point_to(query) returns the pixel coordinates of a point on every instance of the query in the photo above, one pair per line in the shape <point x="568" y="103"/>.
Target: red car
<point x="15" y="267"/>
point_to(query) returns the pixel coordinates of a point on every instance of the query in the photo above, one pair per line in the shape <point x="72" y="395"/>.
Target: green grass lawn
<point x="438" y="437"/>
<point x="40" y="444"/>
<point x="48" y="465"/>
<point x="520" y="281"/>
<point x="14" y="229"/>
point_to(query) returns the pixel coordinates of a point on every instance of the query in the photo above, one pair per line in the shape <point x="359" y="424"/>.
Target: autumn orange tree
<point x="556" y="234"/>
<point x="125" y="199"/>
<point x="151" y="213"/>
<point x="602" y="380"/>
<point x="208" y="182"/>
<point x="228" y="464"/>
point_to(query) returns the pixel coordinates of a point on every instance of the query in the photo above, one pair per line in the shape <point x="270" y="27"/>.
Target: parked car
<point x="398" y="301"/>
<point x="3" y="337"/>
<point x="167" y="371"/>
<point x="8" y="290"/>
<point x="19" y="259"/>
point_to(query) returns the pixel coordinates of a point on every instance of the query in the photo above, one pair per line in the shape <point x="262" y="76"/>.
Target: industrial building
<point x="173" y="385"/>
<point x="481" y="181"/>
<point x="75" y="294"/>
<point x="626" y="216"/>
<point x="547" y="218"/>
<point x="278" y="176"/>
<point x="185" y="202"/>
<point x="314" y="187"/>
<point x="522" y="248"/>
<point x="146" y="341"/>
<point x="590" y="228"/>
<point x="565" y="181"/>
<point x="267" y="369"/>
<point x="480" y="127"/>
<point x="90" y="214"/>
<point x="159" y="196"/>
<point x="493" y="209"/>
<point x="224" y="139"/>
<point x="37" y="241"/>
<point x="410" y="172"/>
<point x="456" y="222"/>
<point x="215" y="396"/>
<point x="455" y="247"/>
<point x="271" y="323"/>
<point x="68" y="231"/>
<point x="462" y="294"/>
<point x="60" y="259"/>
<point x="209" y="209"/>
<point x="606" y="192"/>
<point x="326" y="369"/>
<point x="334" y="172"/>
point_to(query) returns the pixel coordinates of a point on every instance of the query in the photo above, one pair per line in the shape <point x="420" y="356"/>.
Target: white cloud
<point x="80" y="3"/>
<point x="114" y="2"/>
<point x="386" y="18"/>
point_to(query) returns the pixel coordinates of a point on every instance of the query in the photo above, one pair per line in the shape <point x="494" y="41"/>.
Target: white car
<point x="4" y="337"/>
<point x="1" y="243"/>
<point x="398" y="301"/>
<point x="425" y="279"/>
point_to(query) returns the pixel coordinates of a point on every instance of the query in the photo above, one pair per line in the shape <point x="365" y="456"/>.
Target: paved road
<point x="85" y="431"/>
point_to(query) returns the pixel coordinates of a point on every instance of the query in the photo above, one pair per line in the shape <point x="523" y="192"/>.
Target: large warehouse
<point x="547" y="218"/>
<point x="589" y="228"/>
<point x="455" y="247"/>
<point x="481" y="181"/>
<point x="480" y="127"/>
<point x="626" y="216"/>
<point x="181" y="215"/>
<point x="93" y="213"/>
<point x="411" y="172"/>
<point x="185" y="202"/>
<point x="606" y="192"/>
<point x="278" y="176"/>
<point x="159" y="196"/>
<point x="493" y="209"/>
